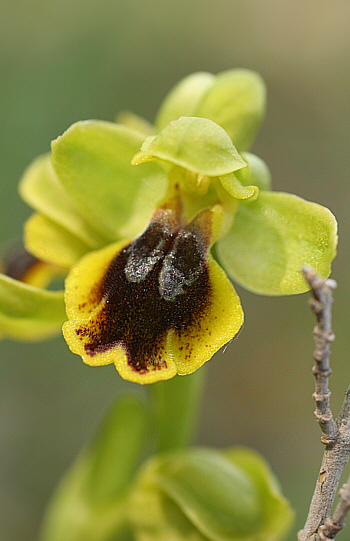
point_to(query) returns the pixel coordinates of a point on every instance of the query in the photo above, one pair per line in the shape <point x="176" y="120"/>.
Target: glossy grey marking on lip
<point x="179" y="253"/>
<point x="137" y="268"/>
<point x="181" y="266"/>
<point x="145" y="252"/>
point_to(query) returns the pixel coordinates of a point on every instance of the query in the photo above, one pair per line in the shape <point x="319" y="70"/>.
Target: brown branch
<point x="335" y="434"/>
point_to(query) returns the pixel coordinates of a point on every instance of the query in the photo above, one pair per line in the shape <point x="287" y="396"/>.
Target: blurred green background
<point x="66" y="60"/>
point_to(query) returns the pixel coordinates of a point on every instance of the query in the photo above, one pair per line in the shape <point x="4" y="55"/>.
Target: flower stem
<point x="176" y="406"/>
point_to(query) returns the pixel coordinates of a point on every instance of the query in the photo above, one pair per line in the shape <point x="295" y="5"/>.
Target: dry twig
<point x="319" y="525"/>
<point x="334" y="524"/>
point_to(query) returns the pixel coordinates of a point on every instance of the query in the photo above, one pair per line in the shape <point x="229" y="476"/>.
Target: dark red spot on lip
<point x="159" y="282"/>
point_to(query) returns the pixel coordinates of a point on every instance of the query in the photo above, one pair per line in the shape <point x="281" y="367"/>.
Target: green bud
<point x="204" y="494"/>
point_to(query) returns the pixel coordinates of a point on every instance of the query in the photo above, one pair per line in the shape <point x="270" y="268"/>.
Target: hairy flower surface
<point x="156" y="306"/>
<point x="131" y="211"/>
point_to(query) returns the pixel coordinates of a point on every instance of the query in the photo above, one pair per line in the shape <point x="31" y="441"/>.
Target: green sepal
<point x="41" y="189"/>
<point x="257" y="173"/>
<point x="29" y="313"/>
<point x="184" y="99"/>
<point x="234" y="99"/>
<point x="272" y="238"/>
<point x="92" y="161"/>
<point x="206" y="494"/>
<point x="135" y="122"/>
<point x="237" y="102"/>
<point x="196" y="144"/>
<point x="90" y="502"/>
<point x="52" y="243"/>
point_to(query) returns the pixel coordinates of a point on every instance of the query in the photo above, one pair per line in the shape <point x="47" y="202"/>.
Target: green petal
<point x="257" y="173"/>
<point x="29" y="313"/>
<point x="92" y="160"/>
<point x="196" y="144"/>
<point x="184" y="98"/>
<point x="52" y="243"/>
<point x="236" y="189"/>
<point x="236" y="101"/>
<point x="273" y="237"/>
<point x="41" y="189"/>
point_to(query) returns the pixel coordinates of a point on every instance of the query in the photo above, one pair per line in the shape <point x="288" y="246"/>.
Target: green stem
<point x="176" y="407"/>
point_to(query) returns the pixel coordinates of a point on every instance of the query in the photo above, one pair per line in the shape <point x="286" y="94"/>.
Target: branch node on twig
<point x="334" y="524"/>
<point x="315" y="305"/>
<point x="323" y="417"/>
<point x="323" y="336"/>
<point x="328" y="440"/>
<point x="321" y="397"/>
<point x="316" y="371"/>
<point x="330" y="336"/>
<point x="329" y="530"/>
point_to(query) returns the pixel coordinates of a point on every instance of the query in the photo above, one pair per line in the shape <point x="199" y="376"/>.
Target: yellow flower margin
<point x="153" y="339"/>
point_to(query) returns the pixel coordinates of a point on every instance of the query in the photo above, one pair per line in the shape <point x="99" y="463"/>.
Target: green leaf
<point x="92" y="161"/>
<point x="272" y="238"/>
<point x="197" y="144"/>
<point x="40" y="188"/>
<point x="115" y="451"/>
<point x="184" y="98"/>
<point x="236" y="101"/>
<point x="29" y="313"/>
<point x="90" y="503"/>
<point x="257" y="173"/>
<point x="221" y="498"/>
